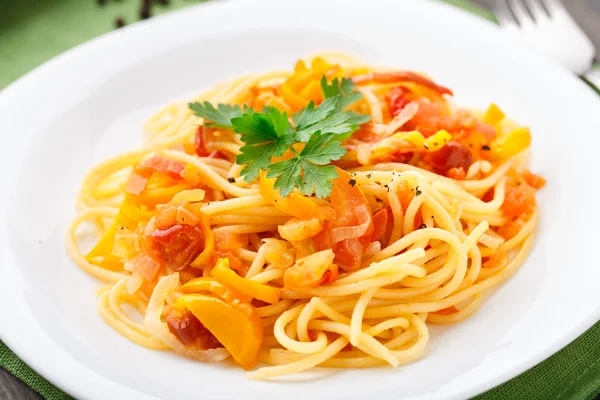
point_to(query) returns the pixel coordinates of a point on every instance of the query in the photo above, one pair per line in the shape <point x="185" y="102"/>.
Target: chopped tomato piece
<point x="488" y="196"/>
<point x="397" y="100"/>
<point x="348" y="253"/>
<point x="452" y="155"/>
<point x="182" y="235"/>
<point x="200" y="141"/>
<point x="456" y="173"/>
<point x="518" y="200"/>
<point x="395" y="156"/>
<point x="380" y="220"/>
<point x="190" y="331"/>
<point x="351" y="230"/>
<point x="172" y="168"/>
<point x="148" y="260"/>
<point x="400" y="76"/>
<point x="136" y="184"/>
<point x="364" y="133"/>
<point x="353" y="214"/>
<point x="179" y="245"/>
<point x="533" y="180"/>
<point x="511" y="229"/>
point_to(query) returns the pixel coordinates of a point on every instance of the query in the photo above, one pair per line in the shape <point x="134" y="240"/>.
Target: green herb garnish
<point x="269" y="134"/>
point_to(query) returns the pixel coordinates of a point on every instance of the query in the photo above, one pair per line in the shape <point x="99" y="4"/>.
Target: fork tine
<point x="521" y="13"/>
<point x="503" y="13"/>
<point x="537" y="10"/>
<point x="554" y="6"/>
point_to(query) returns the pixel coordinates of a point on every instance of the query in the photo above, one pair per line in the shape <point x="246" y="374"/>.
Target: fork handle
<point x="593" y="77"/>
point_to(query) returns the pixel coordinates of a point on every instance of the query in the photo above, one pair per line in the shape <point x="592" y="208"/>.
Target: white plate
<point x="91" y="102"/>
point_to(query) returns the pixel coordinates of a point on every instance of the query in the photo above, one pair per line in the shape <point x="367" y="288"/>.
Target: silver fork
<point x="548" y="26"/>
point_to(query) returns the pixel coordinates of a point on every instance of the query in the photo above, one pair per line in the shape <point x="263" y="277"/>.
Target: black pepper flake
<point x="369" y="176"/>
<point x="231" y="180"/>
<point x="422" y="226"/>
<point x="418" y="192"/>
<point x="486" y="147"/>
<point x="275" y="200"/>
<point x="352" y="182"/>
<point x="435" y="144"/>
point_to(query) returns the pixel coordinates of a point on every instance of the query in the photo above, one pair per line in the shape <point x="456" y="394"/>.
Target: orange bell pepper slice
<point x="229" y="278"/>
<point x="205" y="258"/>
<point x="236" y="326"/>
<point x="294" y="204"/>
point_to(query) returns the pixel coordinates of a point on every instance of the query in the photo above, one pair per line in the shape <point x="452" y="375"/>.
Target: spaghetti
<point x="430" y="207"/>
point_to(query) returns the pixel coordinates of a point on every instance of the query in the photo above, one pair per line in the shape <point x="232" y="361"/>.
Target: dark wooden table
<point x="586" y="12"/>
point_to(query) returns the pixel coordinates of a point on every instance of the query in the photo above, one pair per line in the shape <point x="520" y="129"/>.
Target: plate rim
<point x="56" y="377"/>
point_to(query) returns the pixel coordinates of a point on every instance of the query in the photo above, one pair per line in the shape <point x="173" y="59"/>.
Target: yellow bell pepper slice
<point x="300" y="67"/>
<point x="209" y="285"/>
<point x="320" y="64"/>
<point x="229" y="278"/>
<point x="511" y="144"/>
<point x="128" y="216"/>
<point x="493" y="115"/>
<point x="236" y="326"/>
<point x="432" y="143"/>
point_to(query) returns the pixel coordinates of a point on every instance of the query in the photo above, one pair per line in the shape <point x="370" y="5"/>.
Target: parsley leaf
<point x="321" y="149"/>
<point x="257" y="128"/>
<point x="357" y="119"/>
<point x="343" y="88"/>
<point x="265" y="134"/>
<point x="221" y="116"/>
<point x="327" y="118"/>
<point x="306" y="171"/>
<point x="318" y="179"/>
<point x="311" y="115"/>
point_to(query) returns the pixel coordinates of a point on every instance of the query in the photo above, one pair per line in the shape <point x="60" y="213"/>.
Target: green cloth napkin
<point x="33" y="31"/>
